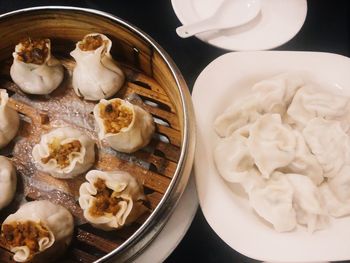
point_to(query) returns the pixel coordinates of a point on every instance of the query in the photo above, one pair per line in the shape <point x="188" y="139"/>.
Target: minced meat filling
<point x="90" y="43"/>
<point x="24" y="234"/>
<point x="61" y="152"/>
<point x="104" y="203"/>
<point x="115" y="116"/>
<point x="33" y="51"/>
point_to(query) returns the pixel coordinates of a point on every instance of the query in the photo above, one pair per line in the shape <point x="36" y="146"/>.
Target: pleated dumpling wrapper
<point x="64" y="152"/>
<point x="96" y="74"/>
<point x="9" y="120"/>
<point x="8" y="181"/>
<point x="38" y="231"/>
<point x="34" y="69"/>
<point x="124" y="126"/>
<point x="111" y="200"/>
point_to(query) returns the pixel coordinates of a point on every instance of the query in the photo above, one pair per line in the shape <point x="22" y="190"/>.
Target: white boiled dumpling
<point x="122" y="205"/>
<point x="96" y="75"/>
<point x="340" y="184"/>
<point x="308" y="202"/>
<point x="335" y="207"/>
<point x="235" y="163"/>
<point x="34" y="69"/>
<point x="336" y="192"/>
<point x="233" y="159"/>
<point x="274" y="202"/>
<point x="8" y="181"/>
<point x="64" y="152"/>
<point x="124" y="126"/>
<point x="276" y="93"/>
<point x="9" y="120"/>
<point x="329" y="143"/>
<point x="271" y="144"/>
<point x="46" y="231"/>
<point x="309" y="102"/>
<point x="270" y="96"/>
<point x="304" y="162"/>
<point x="239" y="114"/>
<point x="287" y="144"/>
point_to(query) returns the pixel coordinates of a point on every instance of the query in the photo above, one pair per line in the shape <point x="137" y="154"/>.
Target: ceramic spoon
<point x="231" y="13"/>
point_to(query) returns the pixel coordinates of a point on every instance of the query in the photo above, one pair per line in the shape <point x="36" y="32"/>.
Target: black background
<point x="326" y="29"/>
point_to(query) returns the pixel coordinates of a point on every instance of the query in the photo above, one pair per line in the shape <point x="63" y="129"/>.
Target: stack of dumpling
<point x="288" y="146"/>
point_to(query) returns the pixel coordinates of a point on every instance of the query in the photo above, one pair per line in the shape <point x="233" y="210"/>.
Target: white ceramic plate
<point x="226" y="209"/>
<point x="174" y="230"/>
<point x="278" y="22"/>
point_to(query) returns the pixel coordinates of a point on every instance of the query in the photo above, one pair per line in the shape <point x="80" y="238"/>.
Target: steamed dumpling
<point x="34" y="69"/>
<point x="309" y="102"/>
<point x="276" y="93"/>
<point x="274" y="202"/>
<point x="96" y="75"/>
<point x="271" y="144"/>
<point x="308" y="202"/>
<point x="8" y="181"/>
<point x="329" y="143"/>
<point x="304" y="162"/>
<point x="124" y="126"/>
<point x="64" y="152"/>
<point x="9" y="120"/>
<point x="45" y="231"/>
<point x="111" y="200"/>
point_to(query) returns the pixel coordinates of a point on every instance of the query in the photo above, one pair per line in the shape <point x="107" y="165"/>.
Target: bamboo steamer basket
<point x="152" y="81"/>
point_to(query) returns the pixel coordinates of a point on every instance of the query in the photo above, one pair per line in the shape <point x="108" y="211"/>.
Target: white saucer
<point x="278" y="22"/>
<point x="175" y="229"/>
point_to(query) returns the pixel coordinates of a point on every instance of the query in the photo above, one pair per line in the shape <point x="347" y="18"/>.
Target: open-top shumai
<point x="38" y="230"/>
<point x="34" y="69"/>
<point x="111" y="200"/>
<point x="96" y="74"/>
<point x="64" y="152"/>
<point x="124" y="126"/>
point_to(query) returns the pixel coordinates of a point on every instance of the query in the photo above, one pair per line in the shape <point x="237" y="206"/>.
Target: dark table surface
<point x="326" y="29"/>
